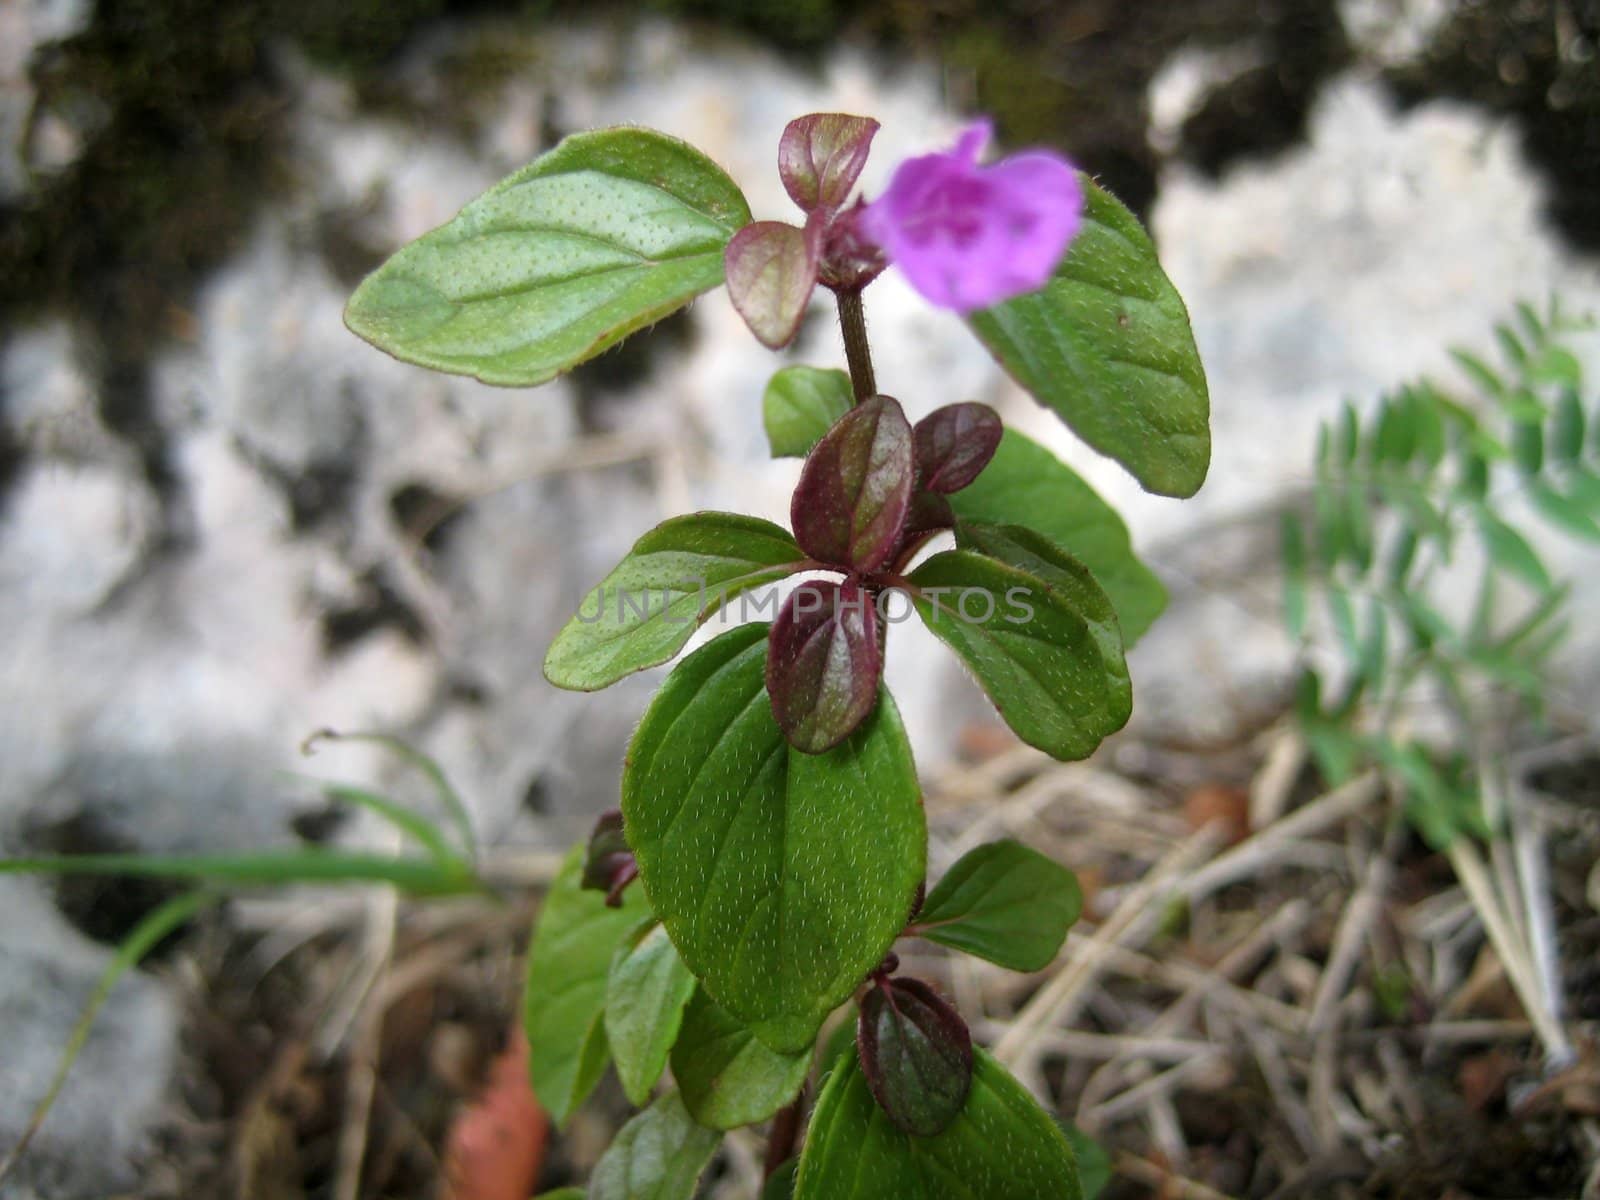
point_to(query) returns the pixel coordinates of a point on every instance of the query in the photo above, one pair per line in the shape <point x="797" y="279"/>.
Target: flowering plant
<point x="771" y="846"/>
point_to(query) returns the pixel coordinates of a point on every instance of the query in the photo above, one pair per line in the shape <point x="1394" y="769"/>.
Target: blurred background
<point x="226" y="523"/>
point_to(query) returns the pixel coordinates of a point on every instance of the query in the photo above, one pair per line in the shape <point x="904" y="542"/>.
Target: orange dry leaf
<point x="497" y="1145"/>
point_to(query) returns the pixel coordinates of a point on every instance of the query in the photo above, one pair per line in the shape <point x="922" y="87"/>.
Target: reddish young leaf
<point x="849" y="509"/>
<point x="821" y="155"/>
<point x="824" y="660"/>
<point x="771" y="270"/>
<point x="929" y="513"/>
<point x="609" y="865"/>
<point x="916" y="1053"/>
<point x="497" y="1146"/>
<point x="954" y="444"/>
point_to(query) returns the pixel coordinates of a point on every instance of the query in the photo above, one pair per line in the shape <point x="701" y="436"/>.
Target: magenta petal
<point x="974" y="140"/>
<point x="968" y="237"/>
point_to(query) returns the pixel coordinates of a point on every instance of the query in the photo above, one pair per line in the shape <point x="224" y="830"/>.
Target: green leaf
<point x="1563" y="511"/>
<point x="1557" y="365"/>
<point x="646" y="992"/>
<point x="605" y="234"/>
<point x="727" y="1076"/>
<point x="659" y="1155"/>
<point x="1396" y="437"/>
<point x="1024" y="484"/>
<point x="1342" y="614"/>
<point x="840" y="1043"/>
<point x="1566" y="437"/>
<point x="1439" y="811"/>
<point x="1094" y="1164"/>
<point x="1375" y="642"/>
<point x="1511" y="345"/>
<point x="1036" y="631"/>
<point x="781" y="1185"/>
<point x="1481" y="373"/>
<point x="1005" y="902"/>
<point x="800" y="405"/>
<point x="564" y="998"/>
<point x="1293" y="551"/>
<point x="1527" y="446"/>
<point x="1510" y="551"/>
<point x="566" y="1193"/>
<point x="1428" y="422"/>
<point x="673" y="580"/>
<point x="1403" y="555"/>
<point x="1001" y="1147"/>
<point x="1474" y="481"/>
<point x="1348" y="443"/>
<point x="782" y="877"/>
<point x="1106" y="344"/>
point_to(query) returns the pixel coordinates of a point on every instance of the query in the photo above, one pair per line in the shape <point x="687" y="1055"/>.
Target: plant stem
<point x="785" y="1132"/>
<point x="853" y="324"/>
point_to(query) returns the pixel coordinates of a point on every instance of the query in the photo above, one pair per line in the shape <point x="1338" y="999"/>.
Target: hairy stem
<point x="853" y="324"/>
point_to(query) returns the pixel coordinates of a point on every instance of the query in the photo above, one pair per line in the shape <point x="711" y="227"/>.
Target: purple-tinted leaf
<point x="849" y="508"/>
<point x="608" y="864"/>
<point x="771" y="269"/>
<point x="954" y="443"/>
<point x="850" y="259"/>
<point x="916" y="1053"/>
<point x="823" y="663"/>
<point x="929" y="513"/>
<point x="820" y="156"/>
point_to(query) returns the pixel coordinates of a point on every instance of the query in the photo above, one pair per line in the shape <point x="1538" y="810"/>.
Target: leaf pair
<point x="1000" y="1146"/>
<point x="773" y="267"/>
<point x="782" y="877"/>
<point x="853" y="510"/>
<point x="1023" y="484"/>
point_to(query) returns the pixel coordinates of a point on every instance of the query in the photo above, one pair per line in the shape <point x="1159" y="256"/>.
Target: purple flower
<point x="968" y="236"/>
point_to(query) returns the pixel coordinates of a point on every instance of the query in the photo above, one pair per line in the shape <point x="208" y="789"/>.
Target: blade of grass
<point x="417" y="876"/>
<point x="408" y="821"/>
<point x="421" y="762"/>
<point x="146" y="935"/>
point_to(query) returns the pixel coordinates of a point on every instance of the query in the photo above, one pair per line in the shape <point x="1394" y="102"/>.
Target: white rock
<point x="98" y="1123"/>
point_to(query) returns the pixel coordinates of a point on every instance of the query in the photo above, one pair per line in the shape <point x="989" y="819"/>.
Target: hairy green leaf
<point x="674" y="579"/>
<point x="1001" y="1147"/>
<point x="1024" y="484"/>
<point x="605" y="234"/>
<point x="564" y="998"/>
<point x="659" y="1155"/>
<point x="1037" y="632"/>
<point x="646" y="992"/>
<point x="1106" y="345"/>
<point x="1095" y="1172"/>
<point x="1005" y="902"/>
<point x="800" y="405"/>
<point x="729" y="1077"/>
<point x="782" y="877"/>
